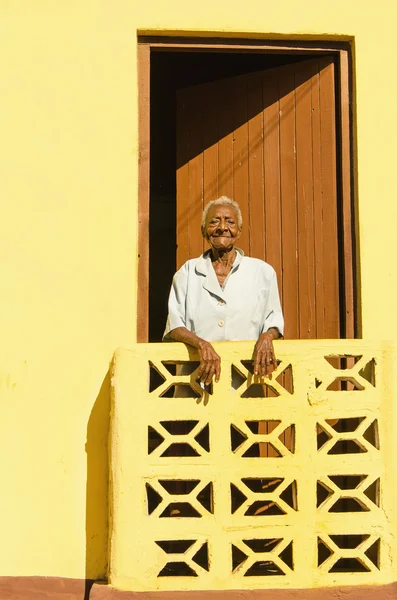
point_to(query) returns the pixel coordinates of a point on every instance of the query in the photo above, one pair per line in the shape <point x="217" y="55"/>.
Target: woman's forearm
<point x="181" y="334"/>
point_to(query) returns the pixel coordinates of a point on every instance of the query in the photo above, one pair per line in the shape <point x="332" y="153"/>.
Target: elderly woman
<point x="225" y="296"/>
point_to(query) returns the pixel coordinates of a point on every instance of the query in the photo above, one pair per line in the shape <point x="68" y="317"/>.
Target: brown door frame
<point x="349" y="237"/>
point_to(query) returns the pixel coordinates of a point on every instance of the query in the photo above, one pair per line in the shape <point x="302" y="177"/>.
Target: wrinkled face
<point x="221" y="229"/>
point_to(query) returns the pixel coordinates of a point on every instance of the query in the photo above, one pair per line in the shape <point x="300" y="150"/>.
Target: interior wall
<point x="169" y="72"/>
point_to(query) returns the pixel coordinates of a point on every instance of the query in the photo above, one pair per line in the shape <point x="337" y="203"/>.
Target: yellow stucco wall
<point x="68" y="176"/>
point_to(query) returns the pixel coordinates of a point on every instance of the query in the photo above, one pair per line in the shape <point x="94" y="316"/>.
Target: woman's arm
<point x="210" y="361"/>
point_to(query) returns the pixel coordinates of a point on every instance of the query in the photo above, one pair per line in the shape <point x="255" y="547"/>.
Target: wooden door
<point x="268" y="140"/>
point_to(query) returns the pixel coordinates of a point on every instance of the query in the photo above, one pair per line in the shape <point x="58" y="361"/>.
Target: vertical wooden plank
<point x="225" y="145"/>
<point x="272" y="191"/>
<point x="256" y="222"/>
<point x="182" y="177"/>
<point x="287" y="134"/>
<point x="304" y="188"/>
<point x="328" y="178"/>
<point x="289" y="234"/>
<point x="210" y="144"/>
<point x="240" y="158"/>
<point x="271" y="157"/>
<point x="347" y="208"/>
<point x="266" y="95"/>
<point x="143" y="193"/>
<point x="317" y="202"/>
<point x="210" y="173"/>
<point x="195" y="207"/>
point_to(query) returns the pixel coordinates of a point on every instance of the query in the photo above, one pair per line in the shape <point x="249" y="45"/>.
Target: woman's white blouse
<point x="244" y="307"/>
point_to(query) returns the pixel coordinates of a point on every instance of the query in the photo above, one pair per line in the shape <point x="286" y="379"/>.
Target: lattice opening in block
<point x="347" y="435"/>
<point x="263" y="568"/>
<point x="180" y="367"/>
<point x="348" y="504"/>
<point x="177" y="569"/>
<point x="346" y="362"/>
<point x="373" y="553"/>
<point x="368" y="372"/>
<point x="180" y="449"/>
<point x="238" y="558"/>
<point x="189" y="558"/>
<point x="155" y="439"/>
<point x="258" y="390"/>
<point x="344" y="425"/>
<point x="262" y="557"/>
<point x="371" y="434"/>
<point x="349" y="565"/>
<point x="323" y="436"/>
<point x="263" y="497"/>
<point x="182" y="498"/>
<point x="349" y="553"/>
<point x="354" y="373"/>
<point x="348" y="541"/>
<point x="343" y="361"/>
<point x="180" y="390"/>
<point x="156" y="379"/>
<point x="179" y="438"/>
<point x="348" y="493"/>
<point x="179" y="487"/>
<point x="265" y="508"/>
<point x="176" y="379"/>
<point x="323" y="552"/>
<point x="336" y="386"/>
<point x="180" y="509"/>
<point x="373" y="492"/>
<point x="347" y="482"/>
<point x="265" y="439"/>
<point x="278" y="383"/>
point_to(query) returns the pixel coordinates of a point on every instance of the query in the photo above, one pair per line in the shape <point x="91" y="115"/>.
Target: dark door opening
<point x="195" y="75"/>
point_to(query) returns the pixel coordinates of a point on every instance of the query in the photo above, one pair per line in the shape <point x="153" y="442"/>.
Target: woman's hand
<point x="210" y="363"/>
<point x="265" y="360"/>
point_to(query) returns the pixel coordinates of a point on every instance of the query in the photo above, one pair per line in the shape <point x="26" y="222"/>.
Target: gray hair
<point x="222" y="201"/>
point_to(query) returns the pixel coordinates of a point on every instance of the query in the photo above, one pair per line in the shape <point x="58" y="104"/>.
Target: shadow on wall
<point x="96" y="524"/>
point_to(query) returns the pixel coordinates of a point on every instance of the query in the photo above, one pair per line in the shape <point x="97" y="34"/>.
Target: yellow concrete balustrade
<point x="285" y="483"/>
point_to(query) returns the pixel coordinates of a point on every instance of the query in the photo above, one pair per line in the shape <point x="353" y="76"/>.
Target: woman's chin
<point x="222" y="247"/>
<point x="223" y="243"/>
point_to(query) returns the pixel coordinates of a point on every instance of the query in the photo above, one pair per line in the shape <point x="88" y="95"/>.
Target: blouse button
<point x="221" y="323"/>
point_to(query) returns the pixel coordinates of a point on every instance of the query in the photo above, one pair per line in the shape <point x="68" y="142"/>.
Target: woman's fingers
<point x="205" y="366"/>
<point x="210" y="365"/>
<point x="273" y="358"/>
<point x="257" y="361"/>
<point x="211" y="372"/>
<point x="265" y="360"/>
<point x="209" y="369"/>
<point x="265" y="364"/>
<point x="217" y="370"/>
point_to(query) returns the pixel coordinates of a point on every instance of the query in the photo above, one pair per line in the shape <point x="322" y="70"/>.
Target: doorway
<point x="263" y="126"/>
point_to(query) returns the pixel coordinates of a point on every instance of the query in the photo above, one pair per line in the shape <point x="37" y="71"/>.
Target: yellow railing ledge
<point x="254" y="483"/>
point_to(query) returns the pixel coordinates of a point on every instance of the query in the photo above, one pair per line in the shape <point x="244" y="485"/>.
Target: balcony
<point x="281" y="483"/>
